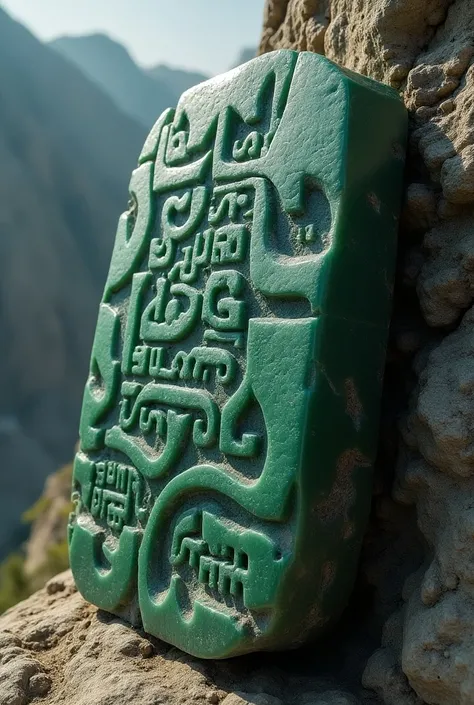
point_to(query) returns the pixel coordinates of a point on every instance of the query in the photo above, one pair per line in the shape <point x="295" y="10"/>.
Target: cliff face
<point x="66" y="154"/>
<point x="424" y="48"/>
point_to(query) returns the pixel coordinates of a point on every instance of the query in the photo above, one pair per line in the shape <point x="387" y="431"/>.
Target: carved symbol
<point x="229" y="312"/>
<point x="193" y="201"/>
<point x="132" y="231"/>
<point x="117" y="495"/>
<point x="164" y="318"/>
<point x="138" y="409"/>
<point x="228" y="560"/>
<point x="195" y="365"/>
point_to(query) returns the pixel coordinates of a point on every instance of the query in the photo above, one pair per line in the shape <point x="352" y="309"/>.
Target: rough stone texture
<point x="49" y="527"/>
<point x="424" y="48"/>
<point x="58" y="650"/>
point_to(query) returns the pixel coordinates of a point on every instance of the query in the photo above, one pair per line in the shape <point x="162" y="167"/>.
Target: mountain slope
<point x="177" y="80"/>
<point x="245" y="55"/>
<point x="110" y="65"/>
<point x="66" y="153"/>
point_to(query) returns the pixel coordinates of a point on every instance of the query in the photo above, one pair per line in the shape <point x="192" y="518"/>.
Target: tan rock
<point x="58" y="650"/>
<point x="425" y="49"/>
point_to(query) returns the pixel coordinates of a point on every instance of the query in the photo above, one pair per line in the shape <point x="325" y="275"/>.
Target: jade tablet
<point x="229" y="422"/>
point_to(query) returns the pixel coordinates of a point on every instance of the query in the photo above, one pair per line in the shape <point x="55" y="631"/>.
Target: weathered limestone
<point x="56" y="649"/>
<point x="424" y="48"/>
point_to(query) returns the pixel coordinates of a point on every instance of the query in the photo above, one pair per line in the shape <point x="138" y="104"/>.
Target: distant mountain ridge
<point x="110" y="65"/>
<point x="177" y="80"/>
<point x="66" y="153"/>
<point x="141" y="93"/>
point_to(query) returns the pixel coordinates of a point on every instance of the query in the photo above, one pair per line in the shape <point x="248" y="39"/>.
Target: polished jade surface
<point x="230" y="417"/>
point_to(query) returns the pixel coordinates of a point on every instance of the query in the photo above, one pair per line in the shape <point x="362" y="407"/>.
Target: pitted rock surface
<point x="58" y="650"/>
<point x="424" y="48"/>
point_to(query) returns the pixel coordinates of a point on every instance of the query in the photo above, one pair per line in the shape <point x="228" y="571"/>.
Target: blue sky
<point x="202" y="34"/>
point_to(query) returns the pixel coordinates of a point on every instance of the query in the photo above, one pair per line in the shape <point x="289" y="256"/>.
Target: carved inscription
<point x="187" y="314"/>
<point x="117" y="495"/>
<point x="246" y="286"/>
<point x="227" y="559"/>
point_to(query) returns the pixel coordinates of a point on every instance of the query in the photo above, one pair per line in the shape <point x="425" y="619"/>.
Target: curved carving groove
<point x="201" y="358"/>
<point x="150" y="147"/>
<point x="195" y="257"/>
<point x="195" y="201"/>
<point x="247" y="446"/>
<point x="185" y="175"/>
<point x="195" y="365"/>
<point x="107" y="583"/>
<point x="205" y="432"/>
<point x="245" y="565"/>
<point x="140" y="282"/>
<point x="228" y="313"/>
<point x="228" y="558"/>
<point x="228" y="207"/>
<point x="162" y="253"/>
<point x="101" y="386"/>
<point x="132" y="231"/>
<point x="178" y="427"/>
<point x="274" y="273"/>
<point x="163" y="320"/>
<point x="248" y="148"/>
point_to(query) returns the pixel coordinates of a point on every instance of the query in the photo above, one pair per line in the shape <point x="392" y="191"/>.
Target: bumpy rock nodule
<point x="424" y="48"/>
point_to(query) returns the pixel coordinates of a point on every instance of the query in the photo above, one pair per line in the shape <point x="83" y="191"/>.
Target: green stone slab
<point x="230" y="418"/>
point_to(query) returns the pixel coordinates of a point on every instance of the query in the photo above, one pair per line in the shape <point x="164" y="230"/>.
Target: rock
<point x="46" y="548"/>
<point x="22" y="676"/>
<point x="59" y="650"/>
<point x="420" y="207"/>
<point x="331" y="697"/>
<point x="457" y="177"/>
<point x="446" y="280"/>
<point x="250" y="699"/>
<point x="424" y="48"/>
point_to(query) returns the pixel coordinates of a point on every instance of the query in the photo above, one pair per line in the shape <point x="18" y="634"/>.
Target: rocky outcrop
<point x="58" y="650"/>
<point x="423" y="48"/>
<point x="46" y="548"/>
<point x="46" y="551"/>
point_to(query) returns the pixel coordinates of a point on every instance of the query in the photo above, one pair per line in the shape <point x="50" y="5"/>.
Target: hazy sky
<point x="201" y="34"/>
